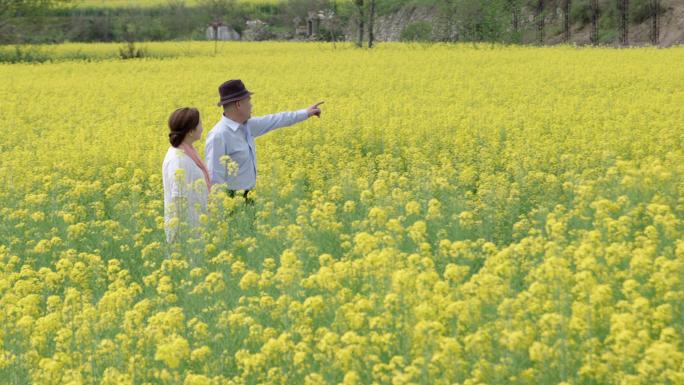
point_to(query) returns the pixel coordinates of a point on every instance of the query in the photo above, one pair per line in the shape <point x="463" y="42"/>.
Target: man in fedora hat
<point x="234" y="136"/>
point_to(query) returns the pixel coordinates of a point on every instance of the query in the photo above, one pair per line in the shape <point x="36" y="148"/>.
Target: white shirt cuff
<point x="303" y="113"/>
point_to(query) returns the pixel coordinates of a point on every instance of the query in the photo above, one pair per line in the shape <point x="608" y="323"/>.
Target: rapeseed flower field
<point x="460" y="214"/>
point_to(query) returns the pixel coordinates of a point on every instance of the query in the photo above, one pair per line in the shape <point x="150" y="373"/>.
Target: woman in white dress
<point x="186" y="179"/>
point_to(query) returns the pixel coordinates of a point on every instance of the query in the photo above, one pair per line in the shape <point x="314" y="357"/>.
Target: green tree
<point x="595" y="14"/>
<point x="623" y="21"/>
<point x="360" y="21"/>
<point x="371" y="19"/>
<point x="10" y="10"/>
<point x="655" y="21"/>
<point x="220" y="10"/>
<point x="567" y="6"/>
<point x="514" y="7"/>
<point x="482" y="21"/>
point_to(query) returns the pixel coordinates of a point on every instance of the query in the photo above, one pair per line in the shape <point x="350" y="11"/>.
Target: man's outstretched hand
<point x="315" y="110"/>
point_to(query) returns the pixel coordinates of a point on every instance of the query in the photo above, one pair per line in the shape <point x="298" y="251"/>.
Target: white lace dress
<point x="185" y="194"/>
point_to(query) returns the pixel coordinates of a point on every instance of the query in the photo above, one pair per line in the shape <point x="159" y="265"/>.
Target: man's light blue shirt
<point x="236" y="140"/>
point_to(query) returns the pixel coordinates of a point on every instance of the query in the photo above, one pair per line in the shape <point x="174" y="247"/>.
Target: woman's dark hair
<point x="182" y="121"/>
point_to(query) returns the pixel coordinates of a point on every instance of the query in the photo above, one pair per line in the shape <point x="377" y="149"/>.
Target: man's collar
<point x="230" y="122"/>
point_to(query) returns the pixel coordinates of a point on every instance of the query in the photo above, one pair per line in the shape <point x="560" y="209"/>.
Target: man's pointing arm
<point x="261" y="125"/>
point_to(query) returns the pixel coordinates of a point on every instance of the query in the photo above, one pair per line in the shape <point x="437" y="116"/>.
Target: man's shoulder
<point x="216" y="132"/>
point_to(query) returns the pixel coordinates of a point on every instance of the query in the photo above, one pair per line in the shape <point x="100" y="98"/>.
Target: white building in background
<point x="224" y="33"/>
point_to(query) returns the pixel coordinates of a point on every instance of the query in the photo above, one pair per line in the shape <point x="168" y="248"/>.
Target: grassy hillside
<point x="84" y="4"/>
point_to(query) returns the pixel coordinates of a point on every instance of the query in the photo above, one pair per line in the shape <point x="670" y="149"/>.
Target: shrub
<point x="418" y="31"/>
<point x="130" y="51"/>
<point x="23" y="54"/>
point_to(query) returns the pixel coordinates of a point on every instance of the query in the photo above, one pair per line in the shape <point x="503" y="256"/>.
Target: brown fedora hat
<point x="232" y="90"/>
